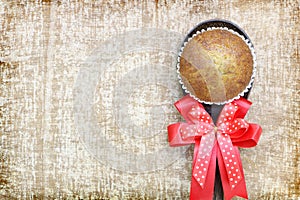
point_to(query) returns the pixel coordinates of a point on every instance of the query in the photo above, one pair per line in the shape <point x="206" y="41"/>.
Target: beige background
<point x="43" y="46"/>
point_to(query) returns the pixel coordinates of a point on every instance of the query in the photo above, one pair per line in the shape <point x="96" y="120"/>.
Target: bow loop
<point x="198" y="114"/>
<point x="235" y="128"/>
<point x="227" y="115"/>
<point x="190" y="131"/>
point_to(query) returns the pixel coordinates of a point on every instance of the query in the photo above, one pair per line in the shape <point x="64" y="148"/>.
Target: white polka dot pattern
<point x="227" y="126"/>
<point x="204" y="128"/>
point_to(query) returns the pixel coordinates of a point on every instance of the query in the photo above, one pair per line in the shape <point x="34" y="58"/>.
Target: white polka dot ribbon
<point x="228" y="125"/>
<point x="215" y="142"/>
<point x="202" y="126"/>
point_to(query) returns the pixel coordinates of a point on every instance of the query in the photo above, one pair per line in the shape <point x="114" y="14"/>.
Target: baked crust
<point x="216" y="65"/>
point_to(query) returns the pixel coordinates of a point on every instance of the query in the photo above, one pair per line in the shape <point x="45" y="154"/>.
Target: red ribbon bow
<point x="215" y="142"/>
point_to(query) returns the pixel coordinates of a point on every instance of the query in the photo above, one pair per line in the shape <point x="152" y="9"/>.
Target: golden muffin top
<point x="216" y="65"/>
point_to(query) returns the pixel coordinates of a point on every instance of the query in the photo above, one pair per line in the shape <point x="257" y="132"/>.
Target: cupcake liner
<point x="247" y="88"/>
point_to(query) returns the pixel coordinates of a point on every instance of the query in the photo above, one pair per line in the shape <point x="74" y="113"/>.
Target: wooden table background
<point x="45" y="44"/>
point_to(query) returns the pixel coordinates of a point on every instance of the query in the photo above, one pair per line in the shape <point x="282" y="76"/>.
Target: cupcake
<point x="216" y="65"/>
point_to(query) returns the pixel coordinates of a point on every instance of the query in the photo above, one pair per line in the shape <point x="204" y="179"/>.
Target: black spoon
<point x="215" y="109"/>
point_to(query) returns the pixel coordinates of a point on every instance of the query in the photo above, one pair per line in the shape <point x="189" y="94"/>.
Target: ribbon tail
<point x="240" y="189"/>
<point x="206" y="192"/>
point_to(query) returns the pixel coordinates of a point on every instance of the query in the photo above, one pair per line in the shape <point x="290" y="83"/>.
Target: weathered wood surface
<point x="50" y="50"/>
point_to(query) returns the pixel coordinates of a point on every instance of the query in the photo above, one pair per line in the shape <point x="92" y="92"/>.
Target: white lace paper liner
<point x="247" y="41"/>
